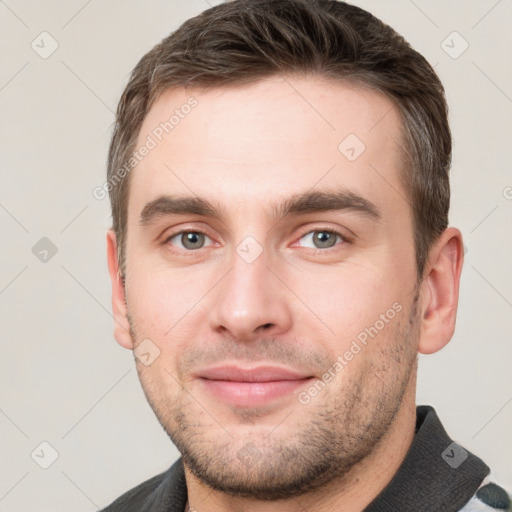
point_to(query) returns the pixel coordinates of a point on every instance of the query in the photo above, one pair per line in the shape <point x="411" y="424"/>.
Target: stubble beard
<point x="331" y="435"/>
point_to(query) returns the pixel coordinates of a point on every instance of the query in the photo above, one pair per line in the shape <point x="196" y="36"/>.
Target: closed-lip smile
<point x="249" y="387"/>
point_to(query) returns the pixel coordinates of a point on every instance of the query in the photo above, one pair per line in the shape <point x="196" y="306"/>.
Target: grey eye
<point x="189" y="240"/>
<point x="323" y="239"/>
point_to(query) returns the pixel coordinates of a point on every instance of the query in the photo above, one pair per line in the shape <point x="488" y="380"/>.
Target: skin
<point x="298" y="304"/>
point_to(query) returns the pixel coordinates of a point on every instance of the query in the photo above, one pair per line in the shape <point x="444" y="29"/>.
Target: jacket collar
<point x="436" y="474"/>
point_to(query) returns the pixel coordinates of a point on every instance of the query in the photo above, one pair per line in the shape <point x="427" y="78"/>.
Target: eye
<point x="189" y="240"/>
<point x="324" y="238"/>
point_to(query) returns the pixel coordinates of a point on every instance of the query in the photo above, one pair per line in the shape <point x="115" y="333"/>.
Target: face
<point x="270" y="276"/>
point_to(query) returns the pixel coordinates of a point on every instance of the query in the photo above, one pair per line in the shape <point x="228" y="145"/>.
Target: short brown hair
<point x="243" y="41"/>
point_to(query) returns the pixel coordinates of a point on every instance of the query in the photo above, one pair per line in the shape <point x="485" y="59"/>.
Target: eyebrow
<point x="297" y="204"/>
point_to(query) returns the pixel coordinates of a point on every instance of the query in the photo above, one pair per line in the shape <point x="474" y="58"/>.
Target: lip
<point x="257" y="374"/>
<point x="251" y="387"/>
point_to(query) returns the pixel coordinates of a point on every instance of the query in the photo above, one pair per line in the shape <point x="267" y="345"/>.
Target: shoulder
<point x="489" y="497"/>
<point x="157" y="493"/>
<point x="135" y="498"/>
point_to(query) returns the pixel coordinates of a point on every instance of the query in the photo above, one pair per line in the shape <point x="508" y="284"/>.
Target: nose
<point x="250" y="300"/>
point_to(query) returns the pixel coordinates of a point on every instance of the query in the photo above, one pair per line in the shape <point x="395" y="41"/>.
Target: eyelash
<point x="344" y="240"/>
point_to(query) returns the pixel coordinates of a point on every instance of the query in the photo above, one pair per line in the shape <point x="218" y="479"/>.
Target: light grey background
<point x="63" y="378"/>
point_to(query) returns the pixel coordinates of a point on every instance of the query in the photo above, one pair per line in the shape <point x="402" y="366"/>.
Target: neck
<point x="353" y="493"/>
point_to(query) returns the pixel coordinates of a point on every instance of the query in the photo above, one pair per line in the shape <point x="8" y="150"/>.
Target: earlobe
<point x="119" y="309"/>
<point x="440" y="292"/>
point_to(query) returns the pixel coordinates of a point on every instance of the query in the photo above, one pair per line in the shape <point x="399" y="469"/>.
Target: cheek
<point x="348" y="295"/>
<point x="165" y="304"/>
<point x="355" y="304"/>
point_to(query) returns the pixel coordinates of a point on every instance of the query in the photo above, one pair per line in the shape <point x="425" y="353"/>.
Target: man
<point x="280" y="253"/>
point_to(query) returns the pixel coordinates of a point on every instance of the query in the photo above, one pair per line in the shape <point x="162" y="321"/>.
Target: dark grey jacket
<point x="437" y="475"/>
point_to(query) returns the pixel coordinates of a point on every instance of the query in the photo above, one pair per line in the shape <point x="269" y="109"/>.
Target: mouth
<point x="251" y="387"/>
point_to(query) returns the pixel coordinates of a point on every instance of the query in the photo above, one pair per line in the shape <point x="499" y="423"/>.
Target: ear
<point x="121" y="325"/>
<point x="440" y="291"/>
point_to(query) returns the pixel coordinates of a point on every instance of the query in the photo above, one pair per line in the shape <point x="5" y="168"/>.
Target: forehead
<point x="247" y="146"/>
